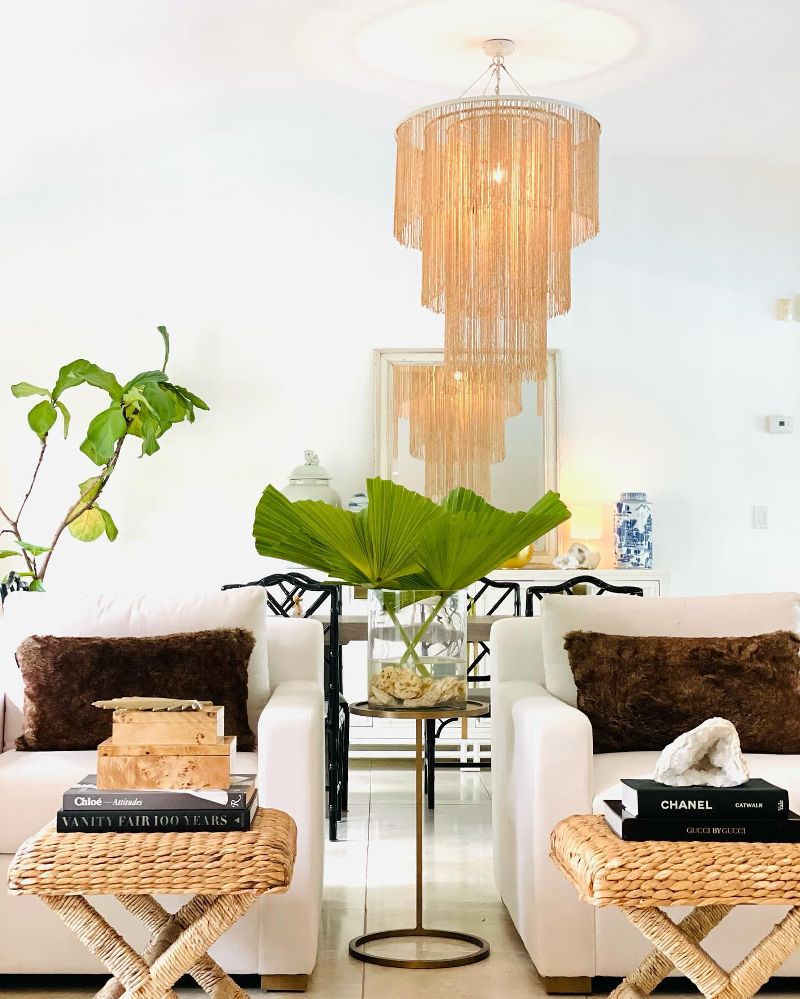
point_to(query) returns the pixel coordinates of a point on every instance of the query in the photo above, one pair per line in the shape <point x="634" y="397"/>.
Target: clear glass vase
<point x="417" y="649"/>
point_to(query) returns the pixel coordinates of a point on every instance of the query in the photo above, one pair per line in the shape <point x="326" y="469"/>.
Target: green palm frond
<point x="402" y="540"/>
<point x="475" y="537"/>
<point x="279" y="531"/>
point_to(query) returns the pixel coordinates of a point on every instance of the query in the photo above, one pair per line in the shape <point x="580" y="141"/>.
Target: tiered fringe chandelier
<point x="495" y="190"/>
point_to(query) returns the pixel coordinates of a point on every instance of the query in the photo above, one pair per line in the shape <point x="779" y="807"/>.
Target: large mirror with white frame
<point x="530" y="466"/>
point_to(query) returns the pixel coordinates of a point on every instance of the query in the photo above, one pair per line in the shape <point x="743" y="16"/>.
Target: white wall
<point x="265" y="246"/>
<point x="672" y="359"/>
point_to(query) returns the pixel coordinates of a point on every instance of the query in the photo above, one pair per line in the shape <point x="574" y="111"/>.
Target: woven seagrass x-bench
<point x="641" y="879"/>
<point x="225" y="871"/>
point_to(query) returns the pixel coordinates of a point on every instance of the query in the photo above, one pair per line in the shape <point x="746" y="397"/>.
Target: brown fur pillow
<point x="641" y="693"/>
<point x="63" y="675"/>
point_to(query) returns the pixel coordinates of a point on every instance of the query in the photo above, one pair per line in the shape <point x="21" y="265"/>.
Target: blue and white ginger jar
<point x="633" y="532"/>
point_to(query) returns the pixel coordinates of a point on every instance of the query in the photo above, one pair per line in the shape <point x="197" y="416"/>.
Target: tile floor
<point x="369" y="886"/>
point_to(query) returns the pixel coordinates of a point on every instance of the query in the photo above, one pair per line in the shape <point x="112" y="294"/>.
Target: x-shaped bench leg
<point x="165" y="928"/>
<point x="767" y="956"/>
<point x="206" y="918"/>
<point x="656" y="966"/>
<point x="677" y="945"/>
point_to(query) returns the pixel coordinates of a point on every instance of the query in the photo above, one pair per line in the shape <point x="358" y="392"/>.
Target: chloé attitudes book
<point x="85" y="797"/>
<point x="755" y="799"/>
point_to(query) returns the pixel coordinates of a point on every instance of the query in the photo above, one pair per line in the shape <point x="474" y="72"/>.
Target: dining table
<point x="353" y="627"/>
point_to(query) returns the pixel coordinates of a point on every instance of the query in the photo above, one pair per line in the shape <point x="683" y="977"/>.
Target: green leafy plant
<point x="402" y="540"/>
<point x="146" y="407"/>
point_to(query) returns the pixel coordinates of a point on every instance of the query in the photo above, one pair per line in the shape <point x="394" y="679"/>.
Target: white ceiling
<point x="96" y="85"/>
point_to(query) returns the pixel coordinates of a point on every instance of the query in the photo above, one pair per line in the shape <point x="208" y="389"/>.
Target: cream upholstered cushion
<point x="111" y="616"/>
<point x="686" y="617"/>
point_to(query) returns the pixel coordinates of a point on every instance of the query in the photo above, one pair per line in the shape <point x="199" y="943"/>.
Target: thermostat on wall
<point x="780" y="424"/>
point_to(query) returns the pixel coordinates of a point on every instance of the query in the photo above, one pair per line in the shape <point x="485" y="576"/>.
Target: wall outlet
<point x="760" y="520"/>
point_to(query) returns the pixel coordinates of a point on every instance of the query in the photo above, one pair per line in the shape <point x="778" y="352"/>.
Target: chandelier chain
<point x="497" y="67"/>
<point x="477" y="80"/>
<point x="494" y="74"/>
<point x="515" y="81"/>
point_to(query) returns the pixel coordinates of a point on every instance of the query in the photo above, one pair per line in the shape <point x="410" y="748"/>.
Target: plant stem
<point x="421" y="631"/>
<point x="13" y="522"/>
<point x="33" y="480"/>
<point x="78" y="508"/>
<point x="409" y="643"/>
<point x="13" y="529"/>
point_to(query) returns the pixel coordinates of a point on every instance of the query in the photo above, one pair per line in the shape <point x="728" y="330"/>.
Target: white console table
<point x="379" y="738"/>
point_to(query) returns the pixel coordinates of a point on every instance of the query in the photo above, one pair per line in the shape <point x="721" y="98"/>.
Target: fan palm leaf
<point x="402" y="540"/>
<point x="474" y="538"/>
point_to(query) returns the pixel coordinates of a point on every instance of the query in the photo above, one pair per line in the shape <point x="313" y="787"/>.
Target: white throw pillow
<point x="683" y="617"/>
<point x="123" y="616"/>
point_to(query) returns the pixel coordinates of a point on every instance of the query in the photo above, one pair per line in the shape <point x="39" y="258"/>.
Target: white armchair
<point x="278" y="937"/>
<point x="544" y="769"/>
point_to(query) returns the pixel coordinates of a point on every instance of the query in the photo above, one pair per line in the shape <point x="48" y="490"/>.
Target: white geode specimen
<point x="709" y="755"/>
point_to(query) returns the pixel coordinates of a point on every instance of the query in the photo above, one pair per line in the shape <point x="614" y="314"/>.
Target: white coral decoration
<point x="578" y="556"/>
<point x="709" y="755"/>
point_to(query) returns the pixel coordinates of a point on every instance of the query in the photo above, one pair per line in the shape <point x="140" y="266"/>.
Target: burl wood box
<point x="169" y="728"/>
<point x="139" y="768"/>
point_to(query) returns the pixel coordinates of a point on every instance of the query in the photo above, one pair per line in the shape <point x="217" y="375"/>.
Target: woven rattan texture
<point x="257" y="861"/>
<point x="606" y="870"/>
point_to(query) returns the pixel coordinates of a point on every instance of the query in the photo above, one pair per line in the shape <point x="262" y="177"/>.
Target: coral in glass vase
<point x="417" y="644"/>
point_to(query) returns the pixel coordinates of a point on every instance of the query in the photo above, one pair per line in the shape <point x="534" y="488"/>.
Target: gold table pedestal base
<point x="359" y="944"/>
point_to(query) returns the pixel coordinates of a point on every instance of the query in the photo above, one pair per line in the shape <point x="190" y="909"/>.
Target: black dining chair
<point x="570" y="588"/>
<point x="293" y="594"/>
<point x="13" y="583"/>
<point x="502" y="598"/>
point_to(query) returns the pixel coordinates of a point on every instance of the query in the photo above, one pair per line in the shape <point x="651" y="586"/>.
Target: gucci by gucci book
<point x="755" y="799"/>
<point x="698" y="828"/>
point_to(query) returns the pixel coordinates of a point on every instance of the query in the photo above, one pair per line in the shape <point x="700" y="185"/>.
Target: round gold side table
<point x="480" y="947"/>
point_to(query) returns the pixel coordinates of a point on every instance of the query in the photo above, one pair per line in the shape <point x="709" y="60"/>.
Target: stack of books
<point x="756" y="811"/>
<point x="87" y="809"/>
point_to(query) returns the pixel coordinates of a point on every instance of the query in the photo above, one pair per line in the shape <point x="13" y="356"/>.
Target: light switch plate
<point x="760" y="518"/>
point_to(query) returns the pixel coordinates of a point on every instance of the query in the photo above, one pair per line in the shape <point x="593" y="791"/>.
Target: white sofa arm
<point x="550" y="777"/>
<point x="504" y="805"/>
<point x="517" y="649"/>
<point x="295" y="647"/>
<point x="291" y="776"/>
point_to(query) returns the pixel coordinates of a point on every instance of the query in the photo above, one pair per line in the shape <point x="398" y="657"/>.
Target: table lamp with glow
<point x="585" y="525"/>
